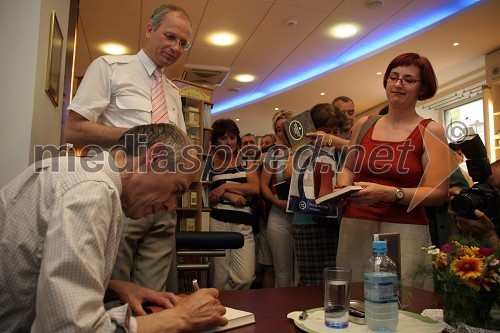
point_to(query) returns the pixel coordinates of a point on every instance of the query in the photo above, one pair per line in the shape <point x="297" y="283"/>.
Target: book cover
<point x="282" y="189"/>
<point x="296" y="129"/>
<point x="236" y="318"/>
<point x="339" y="194"/>
<point x="323" y="179"/>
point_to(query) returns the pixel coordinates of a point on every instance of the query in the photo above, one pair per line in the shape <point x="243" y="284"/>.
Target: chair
<point x="201" y="244"/>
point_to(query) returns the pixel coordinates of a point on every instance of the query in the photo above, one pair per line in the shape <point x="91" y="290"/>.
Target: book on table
<point x="236" y="318"/>
<point x="339" y="194"/>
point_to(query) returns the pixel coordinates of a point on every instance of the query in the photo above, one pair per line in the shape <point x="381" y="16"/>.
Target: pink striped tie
<point x="159" y="113"/>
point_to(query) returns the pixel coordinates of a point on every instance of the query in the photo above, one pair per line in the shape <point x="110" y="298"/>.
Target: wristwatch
<point x="399" y="194"/>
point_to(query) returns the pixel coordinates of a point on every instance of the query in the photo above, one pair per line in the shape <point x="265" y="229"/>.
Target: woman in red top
<point x="403" y="165"/>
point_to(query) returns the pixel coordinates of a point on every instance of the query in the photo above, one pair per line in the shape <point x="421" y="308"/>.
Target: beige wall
<point x="28" y="116"/>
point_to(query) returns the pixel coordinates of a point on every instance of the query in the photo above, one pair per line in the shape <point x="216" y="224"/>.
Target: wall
<point x="28" y="116"/>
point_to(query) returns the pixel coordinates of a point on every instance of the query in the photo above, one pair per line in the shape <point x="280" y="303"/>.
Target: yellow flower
<point x="467" y="267"/>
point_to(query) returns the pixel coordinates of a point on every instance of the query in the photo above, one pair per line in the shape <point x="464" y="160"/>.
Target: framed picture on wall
<point x="54" y="60"/>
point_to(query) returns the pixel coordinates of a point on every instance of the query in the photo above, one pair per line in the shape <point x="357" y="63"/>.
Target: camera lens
<point x="464" y="204"/>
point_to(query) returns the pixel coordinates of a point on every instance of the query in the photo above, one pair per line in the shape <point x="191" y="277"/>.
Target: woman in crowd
<point x="232" y="187"/>
<point x="316" y="237"/>
<point x="279" y="229"/>
<point x="403" y="164"/>
<point x="267" y="141"/>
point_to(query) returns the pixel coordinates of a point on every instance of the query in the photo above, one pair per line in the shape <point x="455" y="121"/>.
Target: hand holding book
<point x="338" y="194"/>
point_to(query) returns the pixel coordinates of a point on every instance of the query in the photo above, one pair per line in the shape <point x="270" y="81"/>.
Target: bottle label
<point x="381" y="288"/>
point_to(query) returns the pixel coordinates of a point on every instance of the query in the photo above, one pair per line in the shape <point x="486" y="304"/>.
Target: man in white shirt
<point x="115" y="94"/>
<point x="60" y="229"/>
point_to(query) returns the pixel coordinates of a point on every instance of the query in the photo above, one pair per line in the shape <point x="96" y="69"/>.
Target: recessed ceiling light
<point x="276" y="109"/>
<point x="245" y="78"/>
<point x="222" y="38"/>
<point x="344" y="31"/>
<point x="379" y="73"/>
<point x="115" y="49"/>
<point x="322" y="94"/>
<point x="373" y="4"/>
<point x="456" y="44"/>
<point x="237" y="119"/>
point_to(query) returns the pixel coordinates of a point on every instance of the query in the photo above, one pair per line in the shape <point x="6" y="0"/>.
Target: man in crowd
<point x="248" y="140"/>
<point x="346" y="105"/>
<point x="60" y="228"/>
<point x="118" y="92"/>
<point x="483" y="227"/>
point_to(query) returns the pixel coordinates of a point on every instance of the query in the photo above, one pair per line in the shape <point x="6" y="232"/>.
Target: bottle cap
<point x="379" y="246"/>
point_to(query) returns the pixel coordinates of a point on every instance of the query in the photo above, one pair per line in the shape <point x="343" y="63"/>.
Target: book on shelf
<point x="339" y="194"/>
<point x="187" y="224"/>
<point x="193" y="199"/>
<point x="296" y="129"/>
<point x="205" y="221"/>
<point x="207" y="115"/>
<point x="207" y="165"/>
<point x="191" y="109"/>
<point x="236" y="318"/>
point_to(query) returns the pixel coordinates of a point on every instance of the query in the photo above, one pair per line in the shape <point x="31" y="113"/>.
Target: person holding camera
<point x="482" y="226"/>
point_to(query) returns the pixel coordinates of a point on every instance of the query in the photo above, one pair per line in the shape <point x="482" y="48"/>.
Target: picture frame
<point x="54" y="60"/>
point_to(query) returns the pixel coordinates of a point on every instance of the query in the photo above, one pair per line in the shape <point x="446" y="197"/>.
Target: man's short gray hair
<point x="138" y="139"/>
<point x="160" y="12"/>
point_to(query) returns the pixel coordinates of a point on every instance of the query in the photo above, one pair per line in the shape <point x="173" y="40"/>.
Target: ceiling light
<point x="292" y="23"/>
<point x="115" y="49"/>
<point x="276" y="109"/>
<point x="245" y="78"/>
<point x="456" y="44"/>
<point x="344" y="31"/>
<point x="237" y="119"/>
<point x="322" y="94"/>
<point x="222" y="38"/>
<point x="374" y="4"/>
<point x="379" y="73"/>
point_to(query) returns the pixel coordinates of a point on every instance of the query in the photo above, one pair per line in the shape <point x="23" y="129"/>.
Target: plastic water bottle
<point x="381" y="290"/>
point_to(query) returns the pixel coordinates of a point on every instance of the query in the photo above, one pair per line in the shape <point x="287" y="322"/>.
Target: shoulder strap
<point x="366" y="126"/>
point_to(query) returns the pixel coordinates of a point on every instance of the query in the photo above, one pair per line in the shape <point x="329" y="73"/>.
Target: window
<point x="469" y="114"/>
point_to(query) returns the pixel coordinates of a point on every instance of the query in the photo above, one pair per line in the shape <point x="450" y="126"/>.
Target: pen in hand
<point x="195" y="285"/>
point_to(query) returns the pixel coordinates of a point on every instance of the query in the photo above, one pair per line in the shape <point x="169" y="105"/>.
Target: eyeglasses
<point x="407" y="80"/>
<point x="171" y="37"/>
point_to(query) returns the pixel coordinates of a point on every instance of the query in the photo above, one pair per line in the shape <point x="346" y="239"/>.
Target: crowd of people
<point x="76" y="233"/>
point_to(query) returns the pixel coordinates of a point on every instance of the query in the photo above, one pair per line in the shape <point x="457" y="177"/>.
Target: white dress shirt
<point x="116" y="91"/>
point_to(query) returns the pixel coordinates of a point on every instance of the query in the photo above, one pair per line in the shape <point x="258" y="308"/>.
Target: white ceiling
<point x="272" y="51"/>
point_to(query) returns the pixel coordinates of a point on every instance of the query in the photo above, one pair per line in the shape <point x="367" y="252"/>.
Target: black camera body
<point x="481" y="195"/>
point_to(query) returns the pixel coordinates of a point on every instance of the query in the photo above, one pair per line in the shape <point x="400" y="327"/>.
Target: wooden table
<point x="271" y="305"/>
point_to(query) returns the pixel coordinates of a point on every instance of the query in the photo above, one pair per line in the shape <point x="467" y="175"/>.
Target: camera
<point x="481" y="195"/>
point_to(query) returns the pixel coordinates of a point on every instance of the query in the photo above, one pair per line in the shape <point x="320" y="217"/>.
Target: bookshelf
<point x="193" y="209"/>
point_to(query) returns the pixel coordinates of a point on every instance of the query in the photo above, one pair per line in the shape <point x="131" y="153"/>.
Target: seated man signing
<point x="60" y="227"/>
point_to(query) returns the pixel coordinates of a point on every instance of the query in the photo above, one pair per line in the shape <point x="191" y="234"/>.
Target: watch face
<point x="400" y="194"/>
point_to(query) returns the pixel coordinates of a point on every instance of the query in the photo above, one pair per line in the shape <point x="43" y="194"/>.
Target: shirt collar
<point x="148" y="64"/>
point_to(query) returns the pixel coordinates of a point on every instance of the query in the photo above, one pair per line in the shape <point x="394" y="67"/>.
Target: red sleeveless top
<point x="397" y="164"/>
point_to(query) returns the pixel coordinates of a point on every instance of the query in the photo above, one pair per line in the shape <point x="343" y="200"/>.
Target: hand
<point x="199" y="311"/>
<point x="371" y="194"/>
<point x="481" y="228"/>
<point x="216" y="194"/>
<point x="453" y="191"/>
<point x="235" y="199"/>
<point x="136" y="295"/>
<point x="320" y="137"/>
<point x="281" y="204"/>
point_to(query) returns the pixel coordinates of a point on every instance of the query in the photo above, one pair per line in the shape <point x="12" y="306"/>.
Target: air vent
<point x="207" y="75"/>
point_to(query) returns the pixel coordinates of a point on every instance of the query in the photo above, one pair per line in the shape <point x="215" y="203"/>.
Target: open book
<point x="339" y="194"/>
<point x="236" y="318"/>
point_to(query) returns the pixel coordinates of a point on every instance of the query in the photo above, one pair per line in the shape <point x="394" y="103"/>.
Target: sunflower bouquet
<point x="470" y="276"/>
<point x="469" y="265"/>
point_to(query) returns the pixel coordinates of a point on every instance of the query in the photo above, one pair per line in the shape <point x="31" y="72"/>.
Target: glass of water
<point x="337" y="296"/>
